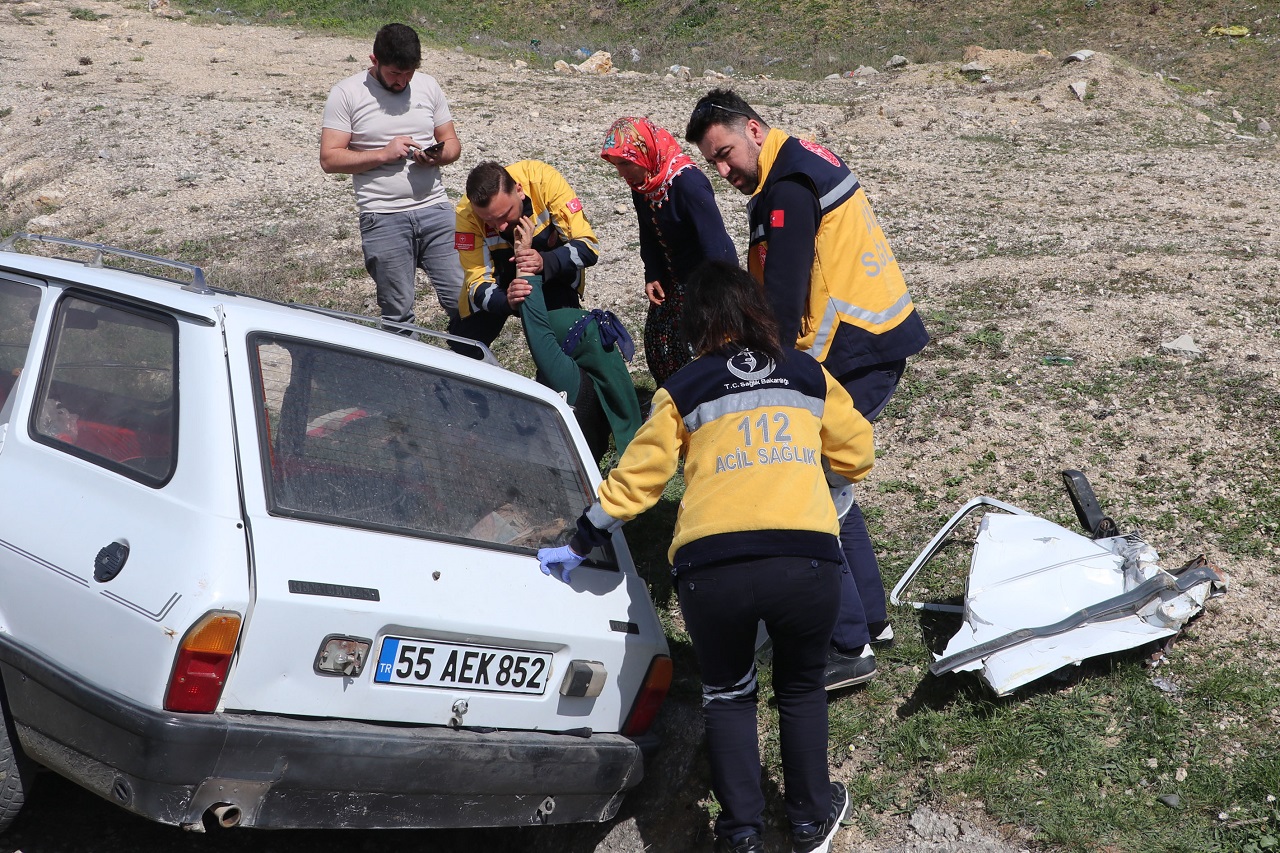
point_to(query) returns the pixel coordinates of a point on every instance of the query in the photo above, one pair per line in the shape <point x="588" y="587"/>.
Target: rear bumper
<point x="281" y="772"/>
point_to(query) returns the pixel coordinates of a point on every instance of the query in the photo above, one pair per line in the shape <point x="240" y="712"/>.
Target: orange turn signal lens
<point x="204" y="657"/>
<point x="657" y="681"/>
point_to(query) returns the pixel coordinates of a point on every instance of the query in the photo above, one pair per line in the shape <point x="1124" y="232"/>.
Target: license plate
<point x="430" y="663"/>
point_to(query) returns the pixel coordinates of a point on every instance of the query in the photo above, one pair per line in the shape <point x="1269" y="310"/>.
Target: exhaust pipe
<point x="225" y="815"/>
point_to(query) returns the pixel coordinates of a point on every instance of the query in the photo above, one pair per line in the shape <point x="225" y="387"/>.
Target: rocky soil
<point x="1041" y="231"/>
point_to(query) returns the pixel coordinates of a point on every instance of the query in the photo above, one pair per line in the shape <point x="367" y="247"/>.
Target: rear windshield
<point x="360" y="440"/>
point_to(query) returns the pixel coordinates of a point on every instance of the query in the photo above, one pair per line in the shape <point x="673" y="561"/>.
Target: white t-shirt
<point x="374" y="115"/>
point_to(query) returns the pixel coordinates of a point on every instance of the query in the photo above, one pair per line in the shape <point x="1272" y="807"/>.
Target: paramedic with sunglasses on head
<point x="837" y="293"/>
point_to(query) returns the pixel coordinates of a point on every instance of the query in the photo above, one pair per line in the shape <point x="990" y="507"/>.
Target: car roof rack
<point x="408" y="329"/>
<point x="196" y="285"/>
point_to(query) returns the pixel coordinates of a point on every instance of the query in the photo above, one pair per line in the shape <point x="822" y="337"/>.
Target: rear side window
<point x="109" y="389"/>
<point x="18" y="304"/>
<point x="356" y="439"/>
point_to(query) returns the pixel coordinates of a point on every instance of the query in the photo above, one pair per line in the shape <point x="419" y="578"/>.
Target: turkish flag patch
<point x="574" y="205"/>
<point x="776" y="218"/>
<point x="464" y="242"/>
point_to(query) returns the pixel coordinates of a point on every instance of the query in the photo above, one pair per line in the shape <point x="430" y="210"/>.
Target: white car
<point x="265" y="566"/>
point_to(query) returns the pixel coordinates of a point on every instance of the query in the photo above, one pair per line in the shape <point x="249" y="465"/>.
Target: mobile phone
<point x="435" y="148"/>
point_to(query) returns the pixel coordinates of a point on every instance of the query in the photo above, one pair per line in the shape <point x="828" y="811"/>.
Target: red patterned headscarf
<point x="640" y="141"/>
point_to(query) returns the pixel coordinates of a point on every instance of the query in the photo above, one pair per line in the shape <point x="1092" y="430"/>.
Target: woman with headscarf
<point x="680" y="226"/>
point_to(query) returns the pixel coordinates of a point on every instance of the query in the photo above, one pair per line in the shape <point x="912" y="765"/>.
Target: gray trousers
<point x="397" y="244"/>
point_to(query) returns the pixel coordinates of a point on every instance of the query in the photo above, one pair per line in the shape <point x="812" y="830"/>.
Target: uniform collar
<point x="769" y="154"/>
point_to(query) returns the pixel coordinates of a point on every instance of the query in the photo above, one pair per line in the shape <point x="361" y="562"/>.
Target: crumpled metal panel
<point x="1040" y="597"/>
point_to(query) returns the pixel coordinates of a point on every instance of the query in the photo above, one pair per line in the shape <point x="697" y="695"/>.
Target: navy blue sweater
<point x="687" y="229"/>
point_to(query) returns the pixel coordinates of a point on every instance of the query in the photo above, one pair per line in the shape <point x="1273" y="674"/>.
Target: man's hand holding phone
<point x="428" y="155"/>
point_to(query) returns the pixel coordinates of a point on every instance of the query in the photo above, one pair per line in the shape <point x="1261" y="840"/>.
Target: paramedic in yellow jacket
<point x="755" y="539"/>
<point x="563" y="244"/>
<point x="837" y="293"/>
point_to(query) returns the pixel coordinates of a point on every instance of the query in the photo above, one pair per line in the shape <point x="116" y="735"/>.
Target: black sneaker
<point x="750" y="844"/>
<point x="818" y="839"/>
<point x="881" y="634"/>
<point x="847" y="670"/>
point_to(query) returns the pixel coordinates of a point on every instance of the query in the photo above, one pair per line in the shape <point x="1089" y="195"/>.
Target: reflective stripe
<point x="488" y="290"/>
<point x="826" y="328"/>
<point x="574" y="256"/>
<point x="479" y="289"/>
<point x="828" y="201"/>
<point x="601" y="519"/>
<point x="835" y="307"/>
<point x="745" y="687"/>
<point x="495" y="240"/>
<point x="747" y="401"/>
<point x="757" y="233"/>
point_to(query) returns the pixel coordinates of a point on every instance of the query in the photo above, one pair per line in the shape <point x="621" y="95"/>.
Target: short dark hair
<point x="397" y="45"/>
<point x="486" y="180"/>
<point x="724" y="304"/>
<point x="723" y="107"/>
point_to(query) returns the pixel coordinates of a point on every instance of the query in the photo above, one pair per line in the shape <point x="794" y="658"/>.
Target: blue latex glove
<point x="559" y="562"/>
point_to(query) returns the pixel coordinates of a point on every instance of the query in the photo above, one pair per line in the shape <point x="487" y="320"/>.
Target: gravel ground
<point x="1030" y="223"/>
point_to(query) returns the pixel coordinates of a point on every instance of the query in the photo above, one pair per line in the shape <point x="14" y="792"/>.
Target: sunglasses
<point x="705" y="108"/>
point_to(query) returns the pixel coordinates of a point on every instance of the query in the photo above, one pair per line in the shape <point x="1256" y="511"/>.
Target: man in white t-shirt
<point x="391" y="130"/>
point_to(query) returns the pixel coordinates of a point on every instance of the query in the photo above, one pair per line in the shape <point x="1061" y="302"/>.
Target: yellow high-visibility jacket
<point x="561" y="233"/>
<point x="824" y="261"/>
<point x="752" y="432"/>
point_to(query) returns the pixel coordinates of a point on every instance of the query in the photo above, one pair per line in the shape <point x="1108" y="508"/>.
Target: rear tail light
<point x="200" y="671"/>
<point x="657" y="681"/>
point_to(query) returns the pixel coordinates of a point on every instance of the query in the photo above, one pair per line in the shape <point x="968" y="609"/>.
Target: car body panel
<point x="1039" y="597"/>
<point x="282" y="772"/>
<point x="86" y="657"/>
<point x="123" y="635"/>
<point x="427" y="588"/>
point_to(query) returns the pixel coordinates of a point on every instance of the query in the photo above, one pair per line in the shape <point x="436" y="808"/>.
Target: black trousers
<point x="798" y="599"/>
<point x="862" y="590"/>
